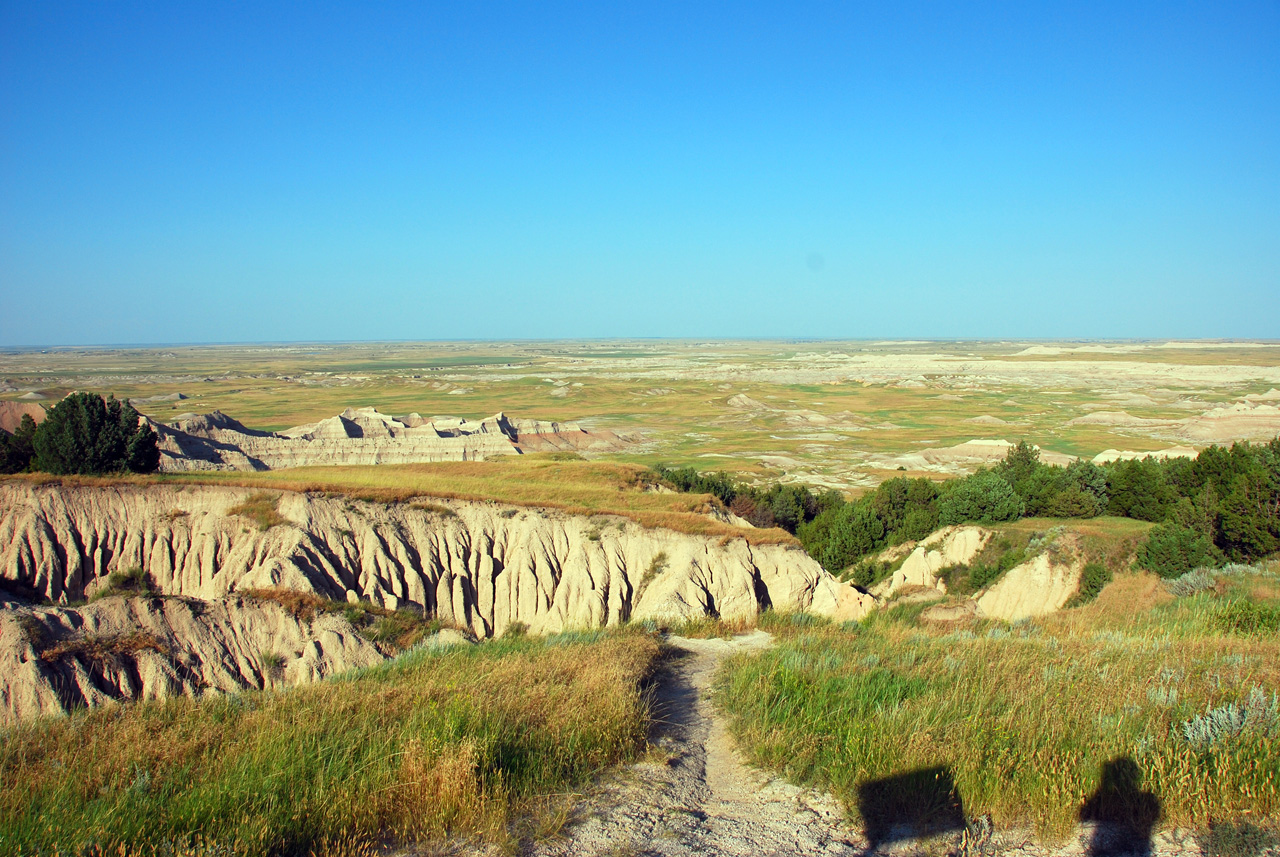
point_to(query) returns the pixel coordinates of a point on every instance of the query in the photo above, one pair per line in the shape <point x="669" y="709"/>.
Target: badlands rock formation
<point x="480" y="566"/>
<point x="53" y="659"/>
<point x="949" y="546"/>
<point x="11" y="414"/>
<point x="1040" y="586"/>
<point x="363" y="436"/>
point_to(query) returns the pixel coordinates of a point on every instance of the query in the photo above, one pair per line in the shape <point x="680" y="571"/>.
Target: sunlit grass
<point x="457" y="743"/>
<point x="1024" y="717"/>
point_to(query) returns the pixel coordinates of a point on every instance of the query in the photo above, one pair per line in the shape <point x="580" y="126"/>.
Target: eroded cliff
<point x="476" y="565"/>
<point x="54" y="659"/>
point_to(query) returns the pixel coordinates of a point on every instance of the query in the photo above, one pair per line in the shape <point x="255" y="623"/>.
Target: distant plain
<point x="840" y="414"/>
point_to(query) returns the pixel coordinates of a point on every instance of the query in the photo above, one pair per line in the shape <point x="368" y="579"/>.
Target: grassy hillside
<point x="1174" y="698"/>
<point x="453" y="743"/>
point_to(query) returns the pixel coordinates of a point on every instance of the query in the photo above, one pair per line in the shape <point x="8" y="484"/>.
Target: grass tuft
<point x="131" y="581"/>
<point x="396" y="630"/>
<point x="101" y="649"/>
<point x="261" y="508"/>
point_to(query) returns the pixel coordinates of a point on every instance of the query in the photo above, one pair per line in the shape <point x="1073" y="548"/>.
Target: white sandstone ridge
<point x="947" y="547"/>
<point x="478" y="566"/>
<point x="1039" y="586"/>
<point x="365" y="436"/>
<point x="55" y="659"/>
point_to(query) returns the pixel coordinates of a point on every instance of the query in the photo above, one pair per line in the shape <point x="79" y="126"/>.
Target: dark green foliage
<point x="16" y="450"/>
<point x="984" y="497"/>
<point x="838" y="537"/>
<point x="1224" y="504"/>
<point x="86" y="434"/>
<point x="1172" y="550"/>
<point x="869" y="572"/>
<point x="785" y="506"/>
<point x="1249" y="519"/>
<point x="906" y="508"/>
<point x="1077" y="491"/>
<point x="1092" y="579"/>
<point x="1138" y="489"/>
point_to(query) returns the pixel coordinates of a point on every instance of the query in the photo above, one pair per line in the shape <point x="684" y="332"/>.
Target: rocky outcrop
<point x="1037" y="587"/>
<point x="54" y="659"/>
<point x="947" y="547"/>
<point x="11" y="414"/>
<point x="479" y="566"/>
<point x="361" y="436"/>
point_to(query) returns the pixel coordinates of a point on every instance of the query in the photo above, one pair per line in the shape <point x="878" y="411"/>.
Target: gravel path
<point x="693" y="795"/>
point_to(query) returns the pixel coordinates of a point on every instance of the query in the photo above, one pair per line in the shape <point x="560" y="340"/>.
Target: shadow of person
<point x="1123" y="813"/>
<point x="906" y="806"/>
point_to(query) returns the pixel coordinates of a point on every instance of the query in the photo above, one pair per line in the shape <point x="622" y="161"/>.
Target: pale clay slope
<point x="1040" y="586"/>
<point x="947" y="547"/>
<point x="219" y="646"/>
<point x="481" y="568"/>
<point x="1037" y="587"/>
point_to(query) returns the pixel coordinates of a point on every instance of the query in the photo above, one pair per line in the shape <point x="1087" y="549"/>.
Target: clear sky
<point x="254" y="171"/>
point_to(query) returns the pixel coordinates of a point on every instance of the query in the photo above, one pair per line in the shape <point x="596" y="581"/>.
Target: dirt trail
<point x="694" y="795"/>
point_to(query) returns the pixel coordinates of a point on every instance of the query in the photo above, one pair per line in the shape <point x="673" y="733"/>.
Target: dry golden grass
<point x="456" y="744"/>
<point x="103" y="648"/>
<point x="261" y="509"/>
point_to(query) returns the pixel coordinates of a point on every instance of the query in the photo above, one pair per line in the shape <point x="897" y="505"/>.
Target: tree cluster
<point x="1222" y="505"/>
<point x="776" y="505"/>
<point x="82" y="434"/>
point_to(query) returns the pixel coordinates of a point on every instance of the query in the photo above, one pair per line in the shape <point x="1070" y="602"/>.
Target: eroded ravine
<point x="693" y="795"/>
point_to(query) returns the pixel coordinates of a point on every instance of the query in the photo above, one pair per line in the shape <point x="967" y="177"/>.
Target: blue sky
<point x="204" y="172"/>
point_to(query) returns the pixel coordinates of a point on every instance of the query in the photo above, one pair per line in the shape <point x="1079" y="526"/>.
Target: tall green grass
<point x="1025" y="717"/>
<point x="428" y="745"/>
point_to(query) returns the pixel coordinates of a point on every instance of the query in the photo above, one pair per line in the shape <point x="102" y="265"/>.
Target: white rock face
<point x="946" y="547"/>
<point x="363" y="436"/>
<point x="481" y="568"/>
<point x="190" y="647"/>
<point x="1035" y="588"/>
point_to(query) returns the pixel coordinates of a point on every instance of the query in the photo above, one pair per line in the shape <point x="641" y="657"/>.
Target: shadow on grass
<point x="918" y="803"/>
<point x="1124" y="814"/>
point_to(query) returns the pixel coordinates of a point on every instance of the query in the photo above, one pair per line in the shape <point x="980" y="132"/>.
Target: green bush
<point x="1172" y="550"/>
<point x="85" y="434"/>
<point x="1092" y="579"/>
<point x="984" y="497"/>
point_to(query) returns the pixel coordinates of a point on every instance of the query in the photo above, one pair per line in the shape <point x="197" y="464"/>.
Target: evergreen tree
<point x="16" y="450"/>
<point x="86" y="434"/>
<point x="984" y="497"/>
